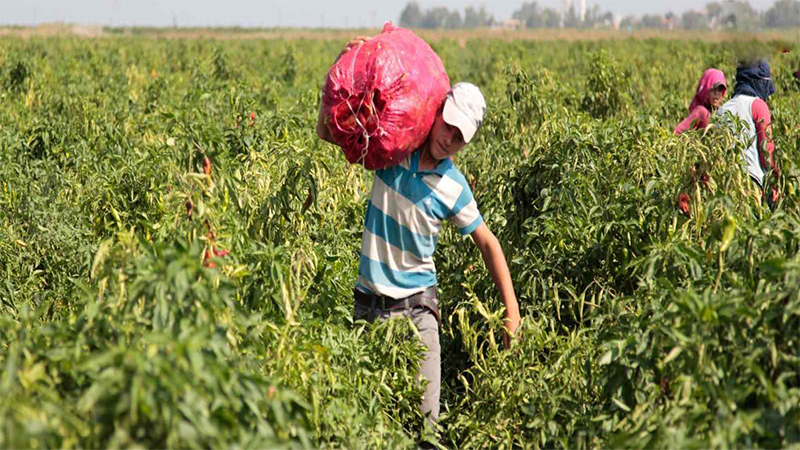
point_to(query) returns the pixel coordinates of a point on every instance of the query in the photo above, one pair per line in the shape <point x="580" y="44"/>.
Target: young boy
<point x="396" y="274"/>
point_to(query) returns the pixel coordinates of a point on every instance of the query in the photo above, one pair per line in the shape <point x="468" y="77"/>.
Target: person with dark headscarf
<point x="753" y="88"/>
<point x="707" y="98"/>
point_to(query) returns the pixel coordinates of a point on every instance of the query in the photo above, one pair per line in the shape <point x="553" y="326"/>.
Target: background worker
<point x="753" y="88"/>
<point x="708" y="97"/>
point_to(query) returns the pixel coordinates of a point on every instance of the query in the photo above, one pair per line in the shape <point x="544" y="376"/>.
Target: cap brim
<point x="453" y="116"/>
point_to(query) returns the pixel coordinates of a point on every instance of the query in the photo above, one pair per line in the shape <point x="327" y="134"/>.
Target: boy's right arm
<point x="355" y="42"/>
<point x="322" y="129"/>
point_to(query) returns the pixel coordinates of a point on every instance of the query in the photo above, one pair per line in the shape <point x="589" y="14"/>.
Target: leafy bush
<point x="605" y="87"/>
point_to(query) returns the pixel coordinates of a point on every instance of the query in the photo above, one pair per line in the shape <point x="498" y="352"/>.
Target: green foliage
<point x="147" y="301"/>
<point x="289" y="68"/>
<point x="17" y="74"/>
<point x="605" y="87"/>
<point x="527" y="97"/>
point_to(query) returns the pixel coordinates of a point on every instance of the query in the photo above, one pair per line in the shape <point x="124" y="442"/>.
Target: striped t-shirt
<point x="403" y="221"/>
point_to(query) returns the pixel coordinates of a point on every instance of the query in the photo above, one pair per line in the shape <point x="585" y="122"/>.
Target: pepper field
<point x="642" y="327"/>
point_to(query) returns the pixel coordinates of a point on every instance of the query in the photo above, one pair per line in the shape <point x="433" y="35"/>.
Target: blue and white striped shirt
<point x="403" y="221"/>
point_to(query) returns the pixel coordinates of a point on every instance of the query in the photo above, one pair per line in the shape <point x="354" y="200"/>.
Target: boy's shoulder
<point x="451" y="182"/>
<point x="447" y="168"/>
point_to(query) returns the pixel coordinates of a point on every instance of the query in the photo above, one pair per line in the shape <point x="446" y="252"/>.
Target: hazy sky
<point x="272" y="13"/>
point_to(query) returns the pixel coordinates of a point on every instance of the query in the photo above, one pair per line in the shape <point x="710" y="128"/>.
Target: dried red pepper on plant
<point x="704" y="178"/>
<point x="207" y="166"/>
<point x="683" y="204"/>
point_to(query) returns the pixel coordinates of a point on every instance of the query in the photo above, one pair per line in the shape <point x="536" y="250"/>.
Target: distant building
<point x="513" y="24"/>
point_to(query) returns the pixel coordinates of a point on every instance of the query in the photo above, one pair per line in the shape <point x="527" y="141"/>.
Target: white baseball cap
<point x="463" y="108"/>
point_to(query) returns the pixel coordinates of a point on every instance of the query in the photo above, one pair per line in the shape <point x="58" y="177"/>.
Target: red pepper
<point x="683" y="204"/>
<point x="207" y="260"/>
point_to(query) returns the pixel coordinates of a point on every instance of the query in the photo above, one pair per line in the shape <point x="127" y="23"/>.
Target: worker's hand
<point x="355" y="42"/>
<point x="511" y="322"/>
<point x="775" y="194"/>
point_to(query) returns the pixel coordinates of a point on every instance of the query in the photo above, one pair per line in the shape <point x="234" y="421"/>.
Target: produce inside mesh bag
<point x="380" y="98"/>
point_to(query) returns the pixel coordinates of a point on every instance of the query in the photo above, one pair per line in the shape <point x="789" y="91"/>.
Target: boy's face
<point x="445" y="139"/>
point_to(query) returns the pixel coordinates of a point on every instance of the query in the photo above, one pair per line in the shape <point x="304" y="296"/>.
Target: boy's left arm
<point x="496" y="263"/>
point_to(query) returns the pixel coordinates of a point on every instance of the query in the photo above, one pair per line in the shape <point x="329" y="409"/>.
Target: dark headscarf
<point x="754" y="81"/>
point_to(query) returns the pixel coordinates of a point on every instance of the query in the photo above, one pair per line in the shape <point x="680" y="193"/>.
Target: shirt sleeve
<point x="763" y="122"/>
<point x="464" y="213"/>
<point x="698" y="119"/>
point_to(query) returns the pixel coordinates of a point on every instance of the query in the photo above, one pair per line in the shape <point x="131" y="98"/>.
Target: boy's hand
<point x="495" y="261"/>
<point x="355" y="42"/>
<point x="511" y="323"/>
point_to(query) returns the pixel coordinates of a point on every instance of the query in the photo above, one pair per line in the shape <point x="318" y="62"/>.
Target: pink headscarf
<point x="710" y="79"/>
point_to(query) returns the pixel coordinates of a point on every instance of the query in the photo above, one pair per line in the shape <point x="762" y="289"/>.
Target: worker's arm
<point x="495" y="261"/>
<point x="766" y="146"/>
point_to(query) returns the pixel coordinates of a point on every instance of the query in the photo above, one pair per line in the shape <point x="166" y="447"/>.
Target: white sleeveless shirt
<point x="741" y="106"/>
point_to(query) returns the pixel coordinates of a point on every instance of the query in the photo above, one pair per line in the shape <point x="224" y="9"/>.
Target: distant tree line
<point x="441" y="17"/>
<point x="724" y="14"/>
<point x="783" y="14"/>
<point x="727" y="14"/>
<point x="535" y="17"/>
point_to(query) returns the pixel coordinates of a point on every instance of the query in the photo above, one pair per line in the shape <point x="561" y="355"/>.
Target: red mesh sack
<point x="380" y="99"/>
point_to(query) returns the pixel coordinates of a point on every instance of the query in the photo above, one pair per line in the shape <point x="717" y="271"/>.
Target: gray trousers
<point x="428" y="328"/>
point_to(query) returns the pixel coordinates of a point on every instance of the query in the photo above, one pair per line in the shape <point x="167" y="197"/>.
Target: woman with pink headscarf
<point x="710" y="92"/>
